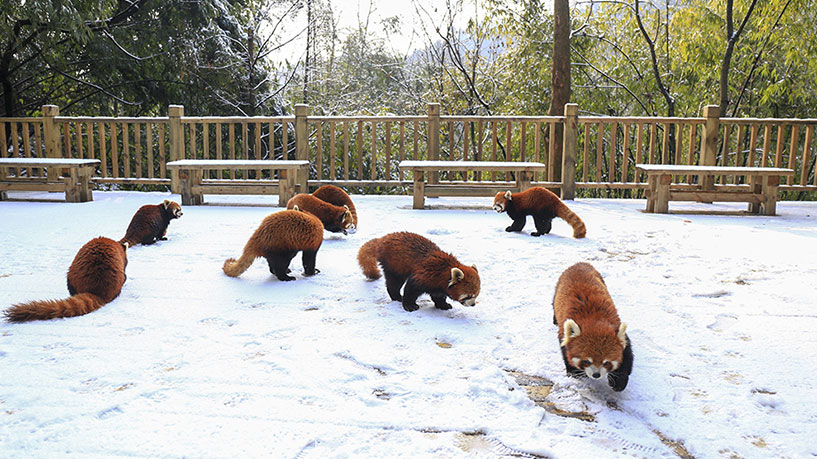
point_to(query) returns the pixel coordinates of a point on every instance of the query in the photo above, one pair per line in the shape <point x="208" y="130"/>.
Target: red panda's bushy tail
<point x="564" y="212"/>
<point x="77" y="305"/>
<point x="367" y="258"/>
<point x="235" y="268"/>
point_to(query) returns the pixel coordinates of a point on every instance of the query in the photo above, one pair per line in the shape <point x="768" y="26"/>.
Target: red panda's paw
<point x="536" y="234"/>
<point x="510" y="229"/>
<point x="312" y="272"/>
<point x="410" y="307"/>
<point x="617" y="381"/>
<point x="285" y="278"/>
<point x="444" y="305"/>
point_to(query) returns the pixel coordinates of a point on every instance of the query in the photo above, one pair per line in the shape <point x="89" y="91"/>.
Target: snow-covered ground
<point x="189" y="362"/>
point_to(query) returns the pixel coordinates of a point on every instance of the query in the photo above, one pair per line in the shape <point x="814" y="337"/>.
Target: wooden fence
<point x="600" y="153"/>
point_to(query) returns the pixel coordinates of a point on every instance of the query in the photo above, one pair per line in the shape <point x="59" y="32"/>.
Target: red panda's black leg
<point x="543" y="225"/>
<point x="619" y="378"/>
<point x="71" y="290"/>
<point x="308" y="259"/>
<point x="410" y="294"/>
<point x="440" y="302"/>
<point x="517" y="225"/>
<point x="393" y="284"/>
<point x="279" y="264"/>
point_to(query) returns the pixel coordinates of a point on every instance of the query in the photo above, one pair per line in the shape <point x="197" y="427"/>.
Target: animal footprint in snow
<point x="722" y="321"/>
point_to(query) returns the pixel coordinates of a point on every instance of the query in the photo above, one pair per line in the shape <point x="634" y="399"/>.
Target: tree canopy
<point x="221" y="57"/>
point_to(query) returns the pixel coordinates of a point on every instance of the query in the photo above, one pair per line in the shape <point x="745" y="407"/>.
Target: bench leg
<point x="662" y="194"/>
<point x="4" y="196"/>
<point x="71" y="180"/>
<point x="187" y="178"/>
<point x="769" y="205"/>
<point x="756" y="185"/>
<point x="84" y="184"/>
<point x="287" y="180"/>
<point x="651" y="189"/>
<point x="419" y="189"/>
<point x="523" y="180"/>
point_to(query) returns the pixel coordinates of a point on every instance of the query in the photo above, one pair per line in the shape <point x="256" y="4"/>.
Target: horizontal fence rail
<point x="364" y="151"/>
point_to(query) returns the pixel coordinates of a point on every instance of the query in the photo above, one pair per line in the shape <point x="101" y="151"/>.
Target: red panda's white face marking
<point x="174" y="207"/>
<point x="464" y="286"/>
<point x="592" y="353"/>
<point x="500" y="201"/>
<point x="593" y="371"/>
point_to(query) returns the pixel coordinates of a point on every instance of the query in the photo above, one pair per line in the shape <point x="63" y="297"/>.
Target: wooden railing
<point x="599" y="153"/>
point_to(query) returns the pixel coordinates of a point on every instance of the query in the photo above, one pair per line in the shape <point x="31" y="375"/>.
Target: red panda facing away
<point x="593" y="339"/>
<point x="334" y="218"/>
<point x="336" y="196"/>
<point x="95" y="278"/>
<point x="278" y="239"/>
<point x="543" y="205"/>
<point x="414" y="260"/>
<point x="149" y="224"/>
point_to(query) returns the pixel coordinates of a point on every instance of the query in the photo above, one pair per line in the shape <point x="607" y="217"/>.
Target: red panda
<point x="95" y="278"/>
<point x="278" y="239"/>
<point x="334" y="218"/>
<point x="149" y="223"/>
<point x="593" y="339"/>
<point x="414" y="260"/>
<point x="338" y="197"/>
<point x="543" y="205"/>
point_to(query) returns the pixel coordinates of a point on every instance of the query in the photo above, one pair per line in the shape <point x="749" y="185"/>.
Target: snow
<point x="190" y="362"/>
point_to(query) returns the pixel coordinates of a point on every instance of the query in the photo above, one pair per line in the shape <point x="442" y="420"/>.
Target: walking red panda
<point x="149" y="223"/>
<point x="95" y="278"/>
<point x="593" y="339"/>
<point x="414" y="260"/>
<point x="334" y="218"/>
<point x="278" y="239"/>
<point x="543" y="205"/>
<point x="336" y="196"/>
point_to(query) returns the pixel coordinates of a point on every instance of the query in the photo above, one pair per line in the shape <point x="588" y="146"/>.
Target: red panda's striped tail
<point x="367" y="258"/>
<point x="564" y="212"/>
<point x="77" y="305"/>
<point x="235" y="268"/>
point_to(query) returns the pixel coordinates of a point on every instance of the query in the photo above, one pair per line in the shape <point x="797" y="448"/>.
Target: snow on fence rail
<point x="365" y="150"/>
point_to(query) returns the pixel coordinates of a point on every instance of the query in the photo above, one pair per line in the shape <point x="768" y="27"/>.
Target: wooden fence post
<point x="175" y="113"/>
<point x="302" y="144"/>
<point x="433" y="139"/>
<point x="569" y="143"/>
<point x="709" y="143"/>
<point x="51" y="133"/>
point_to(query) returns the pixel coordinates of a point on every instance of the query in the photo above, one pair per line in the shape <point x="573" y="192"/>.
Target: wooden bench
<point x="524" y="172"/>
<point x="64" y="174"/>
<point x="193" y="186"/>
<point x="761" y="193"/>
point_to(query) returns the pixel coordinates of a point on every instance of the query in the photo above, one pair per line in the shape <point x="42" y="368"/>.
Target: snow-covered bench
<point x="193" y="186"/>
<point x="761" y="194"/>
<point x="524" y="172"/>
<point x="64" y="174"/>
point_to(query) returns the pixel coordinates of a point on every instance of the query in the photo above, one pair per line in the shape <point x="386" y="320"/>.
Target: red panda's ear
<point x="474" y="267"/>
<point x="166" y="203"/>
<point x="622" y="334"/>
<point x="346" y="207"/>
<point x="508" y="195"/>
<point x="296" y="208"/>
<point x="456" y="276"/>
<point x="572" y="330"/>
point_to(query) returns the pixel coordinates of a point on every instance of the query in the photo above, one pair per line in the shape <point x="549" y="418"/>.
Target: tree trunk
<point x="560" y="81"/>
